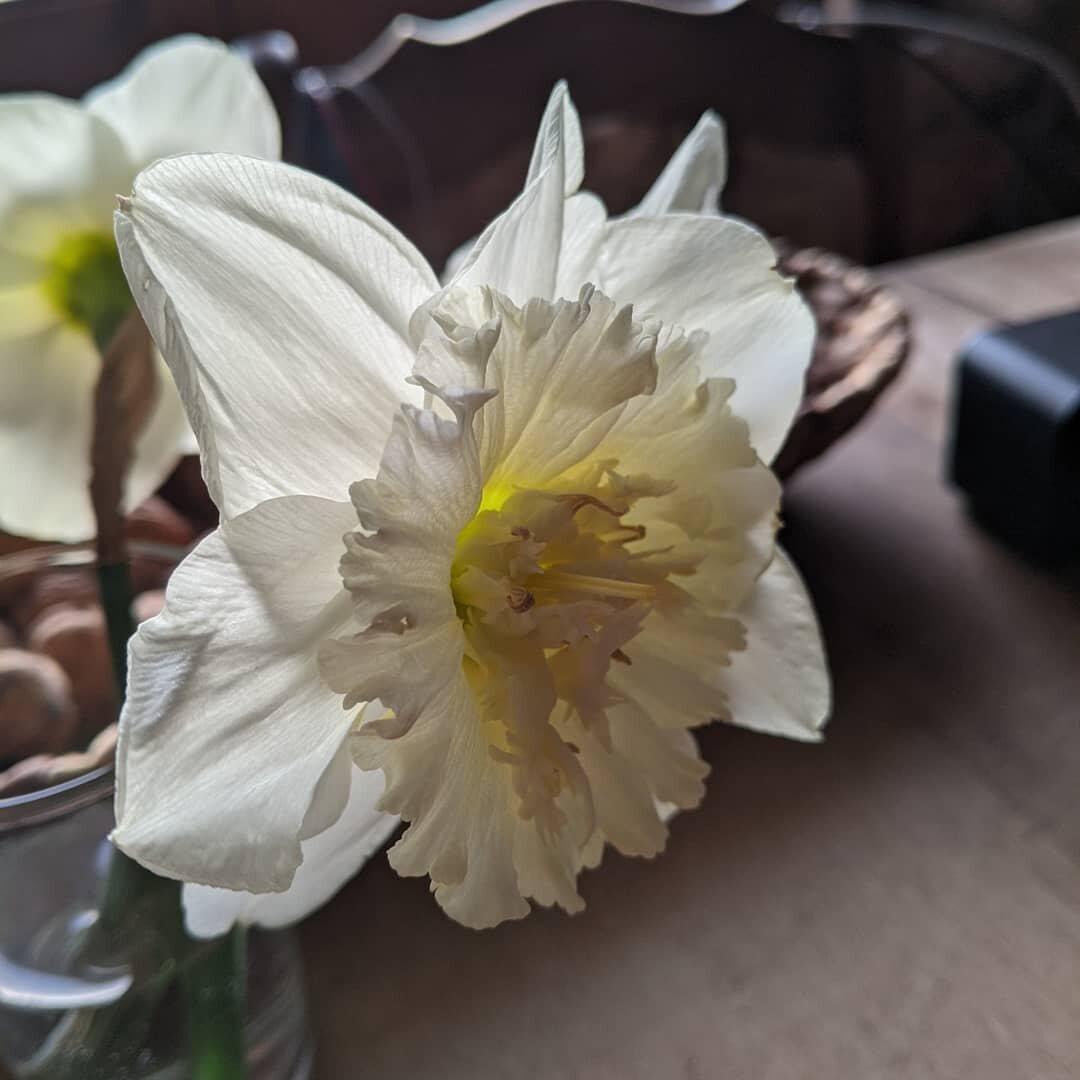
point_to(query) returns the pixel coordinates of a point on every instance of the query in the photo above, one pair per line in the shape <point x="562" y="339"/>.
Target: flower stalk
<point x="214" y="986"/>
<point x="137" y="905"/>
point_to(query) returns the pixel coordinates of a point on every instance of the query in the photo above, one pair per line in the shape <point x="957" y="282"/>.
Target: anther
<point x="520" y="599"/>
<point x="579" y="502"/>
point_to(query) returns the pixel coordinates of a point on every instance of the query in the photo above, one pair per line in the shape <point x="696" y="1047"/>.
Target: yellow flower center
<point x="530" y="555"/>
<point x="85" y="283"/>
<point x="556" y="579"/>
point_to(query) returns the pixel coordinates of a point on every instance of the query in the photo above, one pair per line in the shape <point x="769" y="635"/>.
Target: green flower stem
<point x="214" y="987"/>
<point x="138" y="906"/>
<point x="114" y="584"/>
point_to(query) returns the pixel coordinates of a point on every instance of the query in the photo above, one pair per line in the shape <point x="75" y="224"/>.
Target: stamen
<point x="594" y="586"/>
<point x="624" y="534"/>
<point x="520" y="599"/>
<point x="579" y="502"/>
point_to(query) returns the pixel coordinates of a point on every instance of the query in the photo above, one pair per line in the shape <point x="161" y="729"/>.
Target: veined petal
<point x="188" y="93"/>
<point x="718" y="275"/>
<point x="46" y="387"/>
<point x="559" y="141"/>
<point x="331" y="858"/>
<point x="281" y="305"/>
<point x="584" y="219"/>
<point x="694" y="177"/>
<point x="519" y="252"/>
<point x="228" y="729"/>
<point x="779" y="684"/>
<point x="60" y="171"/>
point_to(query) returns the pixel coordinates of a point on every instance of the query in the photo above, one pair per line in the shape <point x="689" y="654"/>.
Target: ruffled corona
<point x="529" y="569"/>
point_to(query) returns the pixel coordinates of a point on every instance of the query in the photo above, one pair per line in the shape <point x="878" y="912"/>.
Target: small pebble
<point x="157" y="522"/>
<point x="10" y="543"/>
<point x="42" y="771"/>
<point x="37" y="711"/>
<point x="30" y="774"/>
<point x="148" y="604"/>
<point x="103" y="746"/>
<point x="76" y="639"/>
<point x="52" y="588"/>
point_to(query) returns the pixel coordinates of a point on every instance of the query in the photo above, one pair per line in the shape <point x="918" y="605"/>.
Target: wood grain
<point x="900" y="903"/>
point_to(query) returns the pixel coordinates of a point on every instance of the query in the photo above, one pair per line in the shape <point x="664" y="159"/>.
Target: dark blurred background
<point x="879" y="130"/>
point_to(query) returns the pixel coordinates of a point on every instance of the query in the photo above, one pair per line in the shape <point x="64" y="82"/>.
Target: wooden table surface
<point x="900" y="902"/>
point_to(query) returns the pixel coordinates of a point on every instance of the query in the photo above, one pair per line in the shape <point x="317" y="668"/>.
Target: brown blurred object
<point x="52" y="598"/>
<point x="55" y="587"/>
<point x="185" y="490"/>
<point x="863" y="337"/>
<point x="85" y="42"/>
<point x="37" y="713"/>
<point x="875" y="144"/>
<point x="76" y="639"/>
<point x="44" y="770"/>
<point x="155" y="521"/>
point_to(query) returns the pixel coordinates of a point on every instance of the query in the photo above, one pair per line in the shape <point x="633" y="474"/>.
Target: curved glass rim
<point x="36" y="807"/>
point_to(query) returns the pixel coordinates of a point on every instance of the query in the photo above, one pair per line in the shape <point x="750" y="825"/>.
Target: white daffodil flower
<point x="498" y="546"/>
<point x="61" y="285"/>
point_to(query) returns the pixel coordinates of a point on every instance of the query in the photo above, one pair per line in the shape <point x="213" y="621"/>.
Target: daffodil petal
<point x="25" y="310"/>
<point x="281" y="305"/>
<point x="584" y="219"/>
<point x="46" y="386"/>
<point x="188" y="93"/>
<point x="60" y="170"/>
<point x="47" y="378"/>
<point x="694" y="177"/>
<point x="779" y="683"/>
<point x="331" y="858"/>
<point x="519" y="252"/>
<point x="559" y="141"/>
<point x="716" y="274"/>
<point x="228" y="729"/>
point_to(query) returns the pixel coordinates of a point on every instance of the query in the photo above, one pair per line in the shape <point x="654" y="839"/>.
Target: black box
<point x="1016" y="435"/>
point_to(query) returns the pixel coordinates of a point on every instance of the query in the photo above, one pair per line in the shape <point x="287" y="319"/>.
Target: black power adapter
<point x="1016" y="435"/>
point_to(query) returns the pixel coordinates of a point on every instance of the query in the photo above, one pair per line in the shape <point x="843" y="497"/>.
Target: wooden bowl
<point x="863" y="337"/>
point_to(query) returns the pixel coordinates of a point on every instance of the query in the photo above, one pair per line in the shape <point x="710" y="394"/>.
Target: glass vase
<point x="79" y="1004"/>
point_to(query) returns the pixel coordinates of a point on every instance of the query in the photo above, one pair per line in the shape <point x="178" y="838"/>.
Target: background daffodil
<point x="62" y="290"/>
<point x="489" y="550"/>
